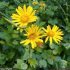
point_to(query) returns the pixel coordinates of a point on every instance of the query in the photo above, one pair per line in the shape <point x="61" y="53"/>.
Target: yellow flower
<point x="24" y="16"/>
<point x="53" y="33"/>
<point x="42" y="4"/>
<point x="34" y="35"/>
<point x="34" y="2"/>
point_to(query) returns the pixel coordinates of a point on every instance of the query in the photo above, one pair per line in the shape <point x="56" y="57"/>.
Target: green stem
<point x="5" y="17"/>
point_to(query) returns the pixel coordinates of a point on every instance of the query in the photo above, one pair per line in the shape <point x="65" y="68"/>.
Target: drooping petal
<point x="50" y="40"/>
<point x="27" y="42"/>
<point x="46" y="39"/>
<point x="22" y="25"/>
<point x="33" y="44"/>
<point x="39" y="40"/>
<point x="44" y="29"/>
<point x="17" y="20"/>
<point x="23" y="41"/>
<point x="55" y="39"/>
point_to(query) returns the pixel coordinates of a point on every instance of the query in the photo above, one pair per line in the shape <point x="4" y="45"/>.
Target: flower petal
<point x="48" y="28"/>
<point x="19" y="10"/>
<point x="24" y="8"/>
<point x="46" y="39"/>
<point x="44" y="29"/>
<point x="25" y="42"/>
<point x="50" y="40"/>
<point x="29" y="10"/>
<point x="55" y="28"/>
<point x="33" y="44"/>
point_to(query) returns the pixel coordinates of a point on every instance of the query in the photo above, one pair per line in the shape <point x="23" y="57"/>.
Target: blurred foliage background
<point x="14" y="55"/>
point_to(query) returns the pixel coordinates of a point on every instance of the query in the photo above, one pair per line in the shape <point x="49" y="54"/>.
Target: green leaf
<point x="48" y="55"/>
<point x="41" y="24"/>
<point x="3" y="4"/>
<point x="63" y="63"/>
<point x="20" y="65"/>
<point x="56" y="49"/>
<point x="36" y="7"/>
<point x="66" y="45"/>
<point x="15" y="42"/>
<point x="5" y="36"/>
<point x="49" y="12"/>
<point x="52" y="21"/>
<point x="26" y="54"/>
<point x="60" y="62"/>
<point x="1" y="21"/>
<point x="17" y="2"/>
<point x="53" y="46"/>
<point x="32" y="62"/>
<point x="43" y="63"/>
<point x="2" y="58"/>
<point x="10" y="55"/>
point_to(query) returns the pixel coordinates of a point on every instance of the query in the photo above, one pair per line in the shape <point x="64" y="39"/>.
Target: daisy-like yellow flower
<point x="24" y="16"/>
<point x="42" y="4"/>
<point x="34" y="35"/>
<point x="53" y="33"/>
<point x="35" y="2"/>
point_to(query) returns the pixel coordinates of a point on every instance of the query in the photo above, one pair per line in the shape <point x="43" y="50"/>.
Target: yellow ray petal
<point x="29" y="10"/>
<point x="55" y="39"/>
<point x="24" y="8"/>
<point x="39" y="40"/>
<point x="17" y="20"/>
<point x="23" y="41"/>
<point x="44" y="29"/>
<point x="33" y="13"/>
<point x="19" y="10"/>
<point x="46" y="39"/>
<point x="33" y="44"/>
<point x="55" y="28"/>
<point x="48" y="28"/>
<point x="33" y="18"/>
<point x="15" y="16"/>
<point x="27" y="42"/>
<point x="50" y="40"/>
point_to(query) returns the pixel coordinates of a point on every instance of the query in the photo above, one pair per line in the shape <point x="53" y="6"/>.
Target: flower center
<point x="51" y="33"/>
<point x="24" y="18"/>
<point x="32" y="36"/>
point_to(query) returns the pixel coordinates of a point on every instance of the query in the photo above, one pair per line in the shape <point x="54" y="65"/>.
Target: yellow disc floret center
<point x="32" y="36"/>
<point x="24" y="18"/>
<point x="51" y="33"/>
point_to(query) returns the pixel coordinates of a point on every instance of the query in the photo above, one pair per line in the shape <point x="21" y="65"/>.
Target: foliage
<point x="15" y="55"/>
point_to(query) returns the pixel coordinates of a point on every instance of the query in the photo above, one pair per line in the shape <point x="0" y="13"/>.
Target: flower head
<point x="34" y="35"/>
<point x="42" y="4"/>
<point x="24" y="16"/>
<point x="35" y="2"/>
<point x="53" y="33"/>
